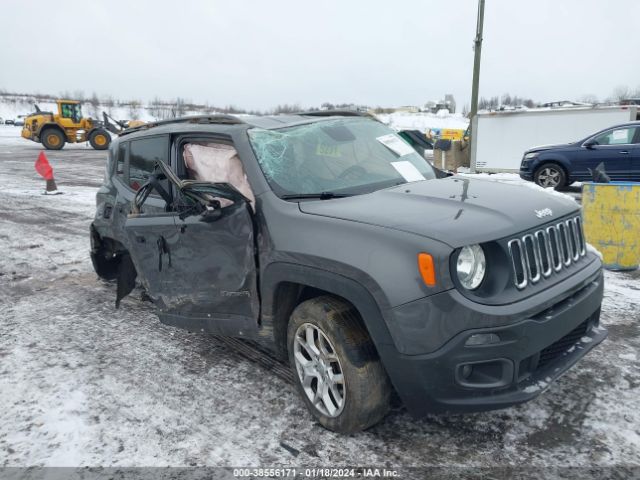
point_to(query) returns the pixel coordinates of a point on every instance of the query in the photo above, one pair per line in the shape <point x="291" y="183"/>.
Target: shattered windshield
<point x="346" y="156"/>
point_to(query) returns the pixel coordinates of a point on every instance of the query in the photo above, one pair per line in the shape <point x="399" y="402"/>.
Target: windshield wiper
<point x="319" y="196"/>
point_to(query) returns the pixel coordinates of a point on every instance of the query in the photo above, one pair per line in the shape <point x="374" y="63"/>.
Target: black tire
<point x="366" y="386"/>
<point x="106" y="264"/>
<point x="52" y="139"/>
<point x="100" y="139"/>
<point x="550" y="175"/>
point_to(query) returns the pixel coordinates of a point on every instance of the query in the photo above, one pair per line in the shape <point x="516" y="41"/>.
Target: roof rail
<point x="334" y="113"/>
<point x="198" y="119"/>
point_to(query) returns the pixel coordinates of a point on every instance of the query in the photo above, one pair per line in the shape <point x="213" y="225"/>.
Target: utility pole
<point x="477" y="47"/>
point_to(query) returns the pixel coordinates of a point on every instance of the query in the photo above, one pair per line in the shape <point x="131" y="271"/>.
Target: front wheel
<point x="550" y="175"/>
<point x="100" y="139"/>
<point x="336" y="367"/>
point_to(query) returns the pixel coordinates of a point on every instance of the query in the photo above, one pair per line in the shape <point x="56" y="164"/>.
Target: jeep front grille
<point x="539" y="254"/>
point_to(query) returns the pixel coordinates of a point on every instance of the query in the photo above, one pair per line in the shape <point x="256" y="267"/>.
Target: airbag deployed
<point x="217" y="163"/>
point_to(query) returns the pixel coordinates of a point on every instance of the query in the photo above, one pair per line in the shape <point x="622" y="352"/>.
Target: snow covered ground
<point x="84" y="384"/>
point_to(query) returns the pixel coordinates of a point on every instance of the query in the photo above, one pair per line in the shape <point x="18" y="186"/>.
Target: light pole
<point x="477" y="47"/>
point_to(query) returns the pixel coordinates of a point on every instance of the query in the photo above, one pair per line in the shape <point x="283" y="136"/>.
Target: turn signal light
<point x="427" y="269"/>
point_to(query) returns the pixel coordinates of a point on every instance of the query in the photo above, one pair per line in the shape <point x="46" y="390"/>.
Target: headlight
<point x="531" y="155"/>
<point x="471" y="266"/>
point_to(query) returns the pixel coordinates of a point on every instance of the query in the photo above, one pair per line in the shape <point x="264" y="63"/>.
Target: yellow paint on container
<point x="611" y="213"/>
<point x="451" y="134"/>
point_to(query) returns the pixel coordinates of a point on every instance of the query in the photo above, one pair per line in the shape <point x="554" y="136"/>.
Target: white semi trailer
<point x="500" y="138"/>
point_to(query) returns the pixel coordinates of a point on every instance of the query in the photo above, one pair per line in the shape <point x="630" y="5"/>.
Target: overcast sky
<point x="257" y="53"/>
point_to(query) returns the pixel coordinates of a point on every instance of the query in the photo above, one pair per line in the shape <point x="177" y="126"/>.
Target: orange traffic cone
<point x="43" y="167"/>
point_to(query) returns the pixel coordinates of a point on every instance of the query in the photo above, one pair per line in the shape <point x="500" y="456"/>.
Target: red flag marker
<point x="43" y="167"/>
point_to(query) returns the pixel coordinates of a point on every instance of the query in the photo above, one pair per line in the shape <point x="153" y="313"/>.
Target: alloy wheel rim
<point x="549" y="177"/>
<point x="319" y="370"/>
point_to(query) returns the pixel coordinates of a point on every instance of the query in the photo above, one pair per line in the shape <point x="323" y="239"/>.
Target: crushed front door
<point x="198" y="265"/>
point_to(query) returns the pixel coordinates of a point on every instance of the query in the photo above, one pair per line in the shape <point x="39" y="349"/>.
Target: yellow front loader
<point x="67" y="125"/>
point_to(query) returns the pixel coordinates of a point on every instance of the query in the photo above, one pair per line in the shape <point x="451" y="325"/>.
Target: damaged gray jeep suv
<point x="326" y="238"/>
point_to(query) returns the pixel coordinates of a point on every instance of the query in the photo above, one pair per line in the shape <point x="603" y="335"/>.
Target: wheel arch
<point x="104" y="241"/>
<point x="51" y="125"/>
<point x="96" y="128"/>
<point x="560" y="162"/>
<point x="285" y="286"/>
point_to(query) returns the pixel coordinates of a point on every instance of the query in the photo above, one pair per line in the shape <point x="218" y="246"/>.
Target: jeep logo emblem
<point x="545" y="212"/>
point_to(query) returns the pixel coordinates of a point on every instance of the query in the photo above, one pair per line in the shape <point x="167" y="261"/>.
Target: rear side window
<point x="619" y="136"/>
<point x="143" y="155"/>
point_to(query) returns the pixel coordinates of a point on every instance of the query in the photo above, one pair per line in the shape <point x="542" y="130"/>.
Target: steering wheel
<point x="354" y="171"/>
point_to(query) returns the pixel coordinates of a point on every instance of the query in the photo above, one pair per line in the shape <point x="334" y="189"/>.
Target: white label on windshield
<point x="396" y="144"/>
<point x="408" y="171"/>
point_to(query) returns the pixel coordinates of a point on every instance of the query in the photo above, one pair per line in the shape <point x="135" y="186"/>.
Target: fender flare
<point x="48" y="125"/>
<point x="351" y="290"/>
<point x="354" y="292"/>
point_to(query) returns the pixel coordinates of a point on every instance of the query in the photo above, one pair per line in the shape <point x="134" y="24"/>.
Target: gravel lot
<point x="84" y="384"/>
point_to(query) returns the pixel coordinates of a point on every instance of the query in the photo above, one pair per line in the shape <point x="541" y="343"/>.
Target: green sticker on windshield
<point x="327" y="150"/>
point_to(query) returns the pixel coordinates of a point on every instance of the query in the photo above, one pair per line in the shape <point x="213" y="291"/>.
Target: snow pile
<point x="424" y="121"/>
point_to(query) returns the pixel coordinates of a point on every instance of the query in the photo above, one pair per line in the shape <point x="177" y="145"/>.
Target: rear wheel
<point x="105" y="262"/>
<point x="336" y="367"/>
<point x="550" y="175"/>
<point x="100" y="139"/>
<point x="52" y="139"/>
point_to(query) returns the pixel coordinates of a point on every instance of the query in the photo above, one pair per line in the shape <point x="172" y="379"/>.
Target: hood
<point x="454" y="210"/>
<point x="542" y="148"/>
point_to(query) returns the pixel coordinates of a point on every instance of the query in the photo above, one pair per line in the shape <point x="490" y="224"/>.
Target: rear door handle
<point x="624" y="152"/>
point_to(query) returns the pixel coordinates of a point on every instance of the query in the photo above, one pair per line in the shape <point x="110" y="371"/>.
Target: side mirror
<point x="590" y="144"/>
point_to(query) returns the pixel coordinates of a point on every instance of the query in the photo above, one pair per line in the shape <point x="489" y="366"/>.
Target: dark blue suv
<point x="556" y="166"/>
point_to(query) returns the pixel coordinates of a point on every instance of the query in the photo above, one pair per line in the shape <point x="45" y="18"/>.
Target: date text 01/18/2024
<point x="316" y="472"/>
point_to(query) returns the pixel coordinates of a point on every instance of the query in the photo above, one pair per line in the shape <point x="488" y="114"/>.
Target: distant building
<point x="449" y="103"/>
<point x="565" y="103"/>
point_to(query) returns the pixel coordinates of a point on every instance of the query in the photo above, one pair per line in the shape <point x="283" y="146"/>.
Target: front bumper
<point x="526" y="175"/>
<point x="530" y="354"/>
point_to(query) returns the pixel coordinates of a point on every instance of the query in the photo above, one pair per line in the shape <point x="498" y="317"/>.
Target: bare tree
<point x="621" y="92"/>
<point x="286" y="108"/>
<point x="179" y="107"/>
<point x="94" y="105"/>
<point x="134" y="109"/>
<point x="589" y="98"/>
